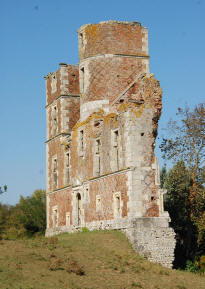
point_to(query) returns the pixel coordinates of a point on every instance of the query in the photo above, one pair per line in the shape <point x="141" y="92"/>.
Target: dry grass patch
<point x="89" y="260"/>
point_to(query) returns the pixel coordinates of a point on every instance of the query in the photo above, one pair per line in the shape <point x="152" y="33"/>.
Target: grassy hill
<point x="101" y="259"/>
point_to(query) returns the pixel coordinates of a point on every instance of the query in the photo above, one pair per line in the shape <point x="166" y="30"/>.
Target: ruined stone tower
<point x="102" y="120"/>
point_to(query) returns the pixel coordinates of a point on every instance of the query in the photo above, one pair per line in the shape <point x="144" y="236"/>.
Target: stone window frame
<point x="54" y="160"/>
<point x="115" y="164"/>
<point x="77" y="191"/>
<point x="81" y="142"/>
<point x="117" y="208"/>
<point x="81" y="39"/>
<point x="97" y="157"/>
<point x="67" y="167"/>
<point x="98" y="203"/>
<point x="86" y="193"/>
<point x="82" y="79"/>
<point x="67" y="217"/>
<point x="53" y="82"/>
<point x="55" y="210"/>
<point x="54" y="114"/>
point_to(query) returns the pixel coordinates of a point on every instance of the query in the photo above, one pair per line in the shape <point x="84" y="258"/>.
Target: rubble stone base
<point x="153" y="239"/>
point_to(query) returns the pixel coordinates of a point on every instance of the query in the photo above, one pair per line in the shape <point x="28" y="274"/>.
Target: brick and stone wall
<point x="102" y="121"/>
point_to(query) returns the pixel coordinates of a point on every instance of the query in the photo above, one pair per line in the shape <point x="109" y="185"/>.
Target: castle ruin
<point x="102" y="120"/>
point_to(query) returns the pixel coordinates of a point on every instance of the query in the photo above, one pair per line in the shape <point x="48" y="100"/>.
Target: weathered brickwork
<point x="102" y="120"/>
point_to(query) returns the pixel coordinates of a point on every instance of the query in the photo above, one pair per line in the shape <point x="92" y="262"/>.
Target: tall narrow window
<point x="68" y="219"/>
<point x="81" y="39"/>
<point x="78" y="196"/>
<point x="117" y="205"/>
<point x="55" y="217"/>
<point x="55" y="175"/>
<point x="81" y="149"/>
<point x="67" y="167"/>
<point x="55" y="122"/>
<point x="98" y="203"/>
<point x="82" y="79"/>
<point x="53" y="83"/>
<point x="116" y="149"/>
<point x="97" y="157"/>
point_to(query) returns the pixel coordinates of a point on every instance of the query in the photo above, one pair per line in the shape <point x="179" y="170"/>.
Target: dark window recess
<point x="82" y="78"/>
<point x="74" y="76"/>
<point x="81" y="141"/>
<point x="97" y="123"/>
<point x="81" y="39"/>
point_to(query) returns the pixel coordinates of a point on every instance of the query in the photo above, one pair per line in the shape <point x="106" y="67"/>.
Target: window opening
<point x="67" y="219"/>
<point x="55" y="173"/>
<point x="97" y="157"/>
<point x="82" y="74"/>
<point x="67" y="169"/>
<point x="98" y="203"/>
<point x="55" y="123"/>
<point x="81" y="39"/>
<point x="81" y="142"/>
<point x="53" y="83"/>
<point x="74" y="76"/>
<point x="78" y="209"/>
<point x="116" y="149"/>
<point x="55" y="218"/>
<point x="117" y="205"/>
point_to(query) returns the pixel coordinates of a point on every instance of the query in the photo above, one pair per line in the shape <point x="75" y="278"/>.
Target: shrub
<point x="192" y="266"/>
<point x="202" y="263"/>
<point x="73" y="267"/>
<point x="85" y="230"/>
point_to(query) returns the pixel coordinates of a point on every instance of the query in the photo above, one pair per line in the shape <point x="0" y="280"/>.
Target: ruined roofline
<point x="61" y="64"/>
<point x="112" y="22"/>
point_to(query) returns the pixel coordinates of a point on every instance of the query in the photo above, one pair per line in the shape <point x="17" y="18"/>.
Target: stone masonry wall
<point x="153" y="239"/>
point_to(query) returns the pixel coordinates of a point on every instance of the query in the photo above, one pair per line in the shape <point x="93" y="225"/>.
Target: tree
<point x="4" y="189"/>
<point x="31" y="212"/>
<point x="4" y="215"/>
<point x="188" y="144"/>
<point x="177" y="184"/>
<point x="163" y="176"/>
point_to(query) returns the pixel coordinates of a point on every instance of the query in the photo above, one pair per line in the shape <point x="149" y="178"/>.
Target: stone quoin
<point x="102" y="120"/>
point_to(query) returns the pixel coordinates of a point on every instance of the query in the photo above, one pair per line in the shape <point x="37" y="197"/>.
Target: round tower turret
<point x="111" y="54"/>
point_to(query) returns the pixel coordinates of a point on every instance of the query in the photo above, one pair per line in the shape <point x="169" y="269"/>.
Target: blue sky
<point x="36" y="35"/>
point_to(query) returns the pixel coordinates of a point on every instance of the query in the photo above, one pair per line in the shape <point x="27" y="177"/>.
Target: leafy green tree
<point x="13" y="229"/>
<point x="24" y="219"/>
<point x="187" y="143"/>
<point x="177" y="204"/>
<point x="31" y="212"/>
<point x="4" y="216"/>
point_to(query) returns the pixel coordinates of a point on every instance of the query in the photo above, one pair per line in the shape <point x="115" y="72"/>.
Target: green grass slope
<point x="102" y="259"/>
